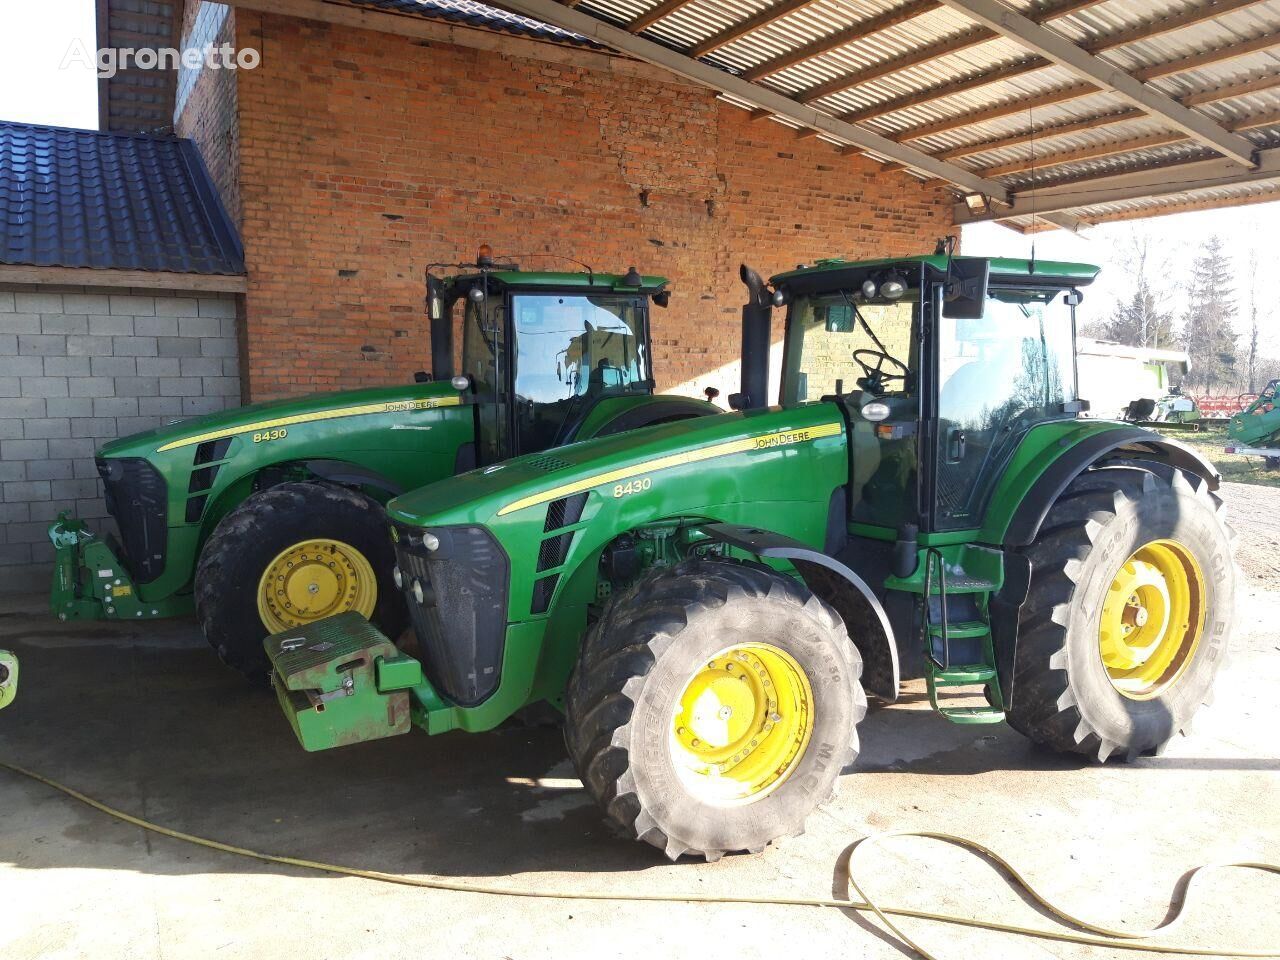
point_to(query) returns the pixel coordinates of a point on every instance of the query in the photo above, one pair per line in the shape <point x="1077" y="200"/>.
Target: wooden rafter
<point x="650" y="17"/>
<point x="1117" y="148"/>
<point x="995" y="15"/>
<point x="1064" y="94"/>
<point x="1032" y="64"/>
<point x="892" y="18"/>
<point x="849" y="34"/>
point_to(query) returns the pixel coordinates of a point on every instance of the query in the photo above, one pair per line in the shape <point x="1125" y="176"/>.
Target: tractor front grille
<point x="461" y="619"/>
<point x="138" y="499"/>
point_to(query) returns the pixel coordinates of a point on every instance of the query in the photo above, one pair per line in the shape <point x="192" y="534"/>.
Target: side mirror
<point x="738" y="401"/>
<point x="966" y="292"/>
<point x="710" y="393"/>
<point x="662" y="299"/>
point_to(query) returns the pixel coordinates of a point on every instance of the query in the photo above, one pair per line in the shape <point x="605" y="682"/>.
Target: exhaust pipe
<point x="757" y="314"/>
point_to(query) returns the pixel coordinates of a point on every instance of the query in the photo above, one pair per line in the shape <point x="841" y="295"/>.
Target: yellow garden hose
<point x="1113" y="939"/>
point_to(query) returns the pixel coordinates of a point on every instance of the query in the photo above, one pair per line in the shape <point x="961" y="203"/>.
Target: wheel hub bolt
<point x="725" y="713"/>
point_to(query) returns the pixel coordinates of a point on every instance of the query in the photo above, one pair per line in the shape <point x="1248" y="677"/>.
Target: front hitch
<point x="91" y="583"/>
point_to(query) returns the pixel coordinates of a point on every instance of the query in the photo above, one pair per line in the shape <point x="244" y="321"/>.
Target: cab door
<point x="998" y="375"/>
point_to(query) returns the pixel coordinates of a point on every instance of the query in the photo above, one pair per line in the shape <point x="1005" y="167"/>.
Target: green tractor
<point x="1255" y="430"/>
<point x="707" y="600"/>
<point x="270" y="516"/>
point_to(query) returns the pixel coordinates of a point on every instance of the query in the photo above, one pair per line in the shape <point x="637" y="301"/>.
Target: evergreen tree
<point x="1207" y="332"/>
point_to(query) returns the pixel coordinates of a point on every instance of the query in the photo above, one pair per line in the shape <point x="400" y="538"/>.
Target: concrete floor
<point x="147" y="720"/>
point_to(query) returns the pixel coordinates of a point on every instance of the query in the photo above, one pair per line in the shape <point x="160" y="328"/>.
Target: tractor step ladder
<point x="940" y="672"/>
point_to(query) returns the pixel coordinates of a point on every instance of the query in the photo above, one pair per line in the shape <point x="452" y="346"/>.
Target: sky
<point x="1173" y="243"/>
<point x="34" y="85"/>
<point x="37" y="86"/>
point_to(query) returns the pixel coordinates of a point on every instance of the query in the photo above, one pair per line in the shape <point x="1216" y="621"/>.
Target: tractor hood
<point x="277" y="414"/>
<point x="664" y="454"/>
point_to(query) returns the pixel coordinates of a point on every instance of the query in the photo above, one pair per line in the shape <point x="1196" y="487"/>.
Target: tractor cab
<point x="940" y="365"/>
<point x="546" y="357"/>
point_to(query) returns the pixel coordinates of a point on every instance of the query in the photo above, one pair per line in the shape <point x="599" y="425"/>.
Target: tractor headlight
<point x="893" y="288"/>
<point x="869" y="289"/>
<point x="417" y="591"/>
<point x="398" y="577"/>
<point x="430" y="542"/>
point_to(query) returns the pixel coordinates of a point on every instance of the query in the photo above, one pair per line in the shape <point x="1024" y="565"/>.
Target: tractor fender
<point x="351" y="475"/>
<point x="1124" y="443"/>
<point x="829" y="579"/>
<point x="651" y="414"/>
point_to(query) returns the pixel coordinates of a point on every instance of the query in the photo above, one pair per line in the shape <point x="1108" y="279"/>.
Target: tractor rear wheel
<point x="1128" y="616"/>
<point x="290" y="555"/>
<point x="713" y="706"/>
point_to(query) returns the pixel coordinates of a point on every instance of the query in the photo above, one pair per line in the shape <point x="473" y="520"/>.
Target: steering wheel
<point x="877" y="378"/>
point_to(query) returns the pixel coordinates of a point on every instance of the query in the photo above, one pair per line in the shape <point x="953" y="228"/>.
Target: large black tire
<point x="637" y="660"/>
<point x="1063" y="695"/>
<point x="252" y="535"/>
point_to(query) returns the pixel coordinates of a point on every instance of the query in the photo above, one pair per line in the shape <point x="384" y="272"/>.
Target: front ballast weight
<point x="91" y="583"/>
<point x="340" y="681"/>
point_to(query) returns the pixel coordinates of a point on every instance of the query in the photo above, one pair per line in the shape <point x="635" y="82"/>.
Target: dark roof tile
<point x="79" y="198"/>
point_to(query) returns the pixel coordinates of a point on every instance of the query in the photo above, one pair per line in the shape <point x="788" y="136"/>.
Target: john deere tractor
<point x="269" y="516"/>
<point x="707" y="600"/>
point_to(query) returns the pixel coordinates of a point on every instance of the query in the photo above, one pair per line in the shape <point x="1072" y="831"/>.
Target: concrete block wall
<point x="80" y="366"/>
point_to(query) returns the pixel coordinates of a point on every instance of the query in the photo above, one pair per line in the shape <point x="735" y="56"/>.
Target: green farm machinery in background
<point x="1255" y="431"/>
<point x="706" y="600"/>
<point x="269" y="516"/>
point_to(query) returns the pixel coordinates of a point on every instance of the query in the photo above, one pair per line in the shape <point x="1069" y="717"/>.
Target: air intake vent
<point x="565" y="512"/>
<point x="212" y="450"/>
<point x="547" y="464"/>
<point x="542" y="592"/>
<point x="553" y="551"/>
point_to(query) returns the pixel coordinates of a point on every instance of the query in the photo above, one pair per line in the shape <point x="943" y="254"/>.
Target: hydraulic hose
<point x="1098" y="936"/>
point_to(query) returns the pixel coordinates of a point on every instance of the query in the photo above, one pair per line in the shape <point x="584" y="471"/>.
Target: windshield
<point x="837" y="345"/>
<point x="570" y="351"/>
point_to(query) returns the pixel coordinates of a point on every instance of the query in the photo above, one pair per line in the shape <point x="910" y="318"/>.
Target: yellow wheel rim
<point x="1152" y="619"/>
<point x="742" y="724"/>
<point x="312" y="580"/>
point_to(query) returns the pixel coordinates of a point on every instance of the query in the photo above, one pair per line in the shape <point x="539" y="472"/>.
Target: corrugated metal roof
<point x="479" y="15"/>
<point x="78" y="198"/>
<point x="940" y="102"/>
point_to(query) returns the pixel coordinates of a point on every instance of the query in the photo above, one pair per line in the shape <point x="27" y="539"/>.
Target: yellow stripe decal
<point x="386" y="406"/>
<point x="766" y="441"/>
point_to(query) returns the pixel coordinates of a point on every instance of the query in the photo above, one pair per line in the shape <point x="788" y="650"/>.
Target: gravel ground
<point x="1254" y="514"/>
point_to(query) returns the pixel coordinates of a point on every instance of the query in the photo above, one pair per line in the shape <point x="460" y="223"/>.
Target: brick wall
<point x="80" y="366"/>
<point x="364" y="156"/>
<point x="205" y="106"/>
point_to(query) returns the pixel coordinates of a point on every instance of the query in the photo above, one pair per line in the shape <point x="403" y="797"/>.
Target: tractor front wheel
<point x="713" y="706"/>
<point x="1128" y="616"/>
<point x="290" y="555"/>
